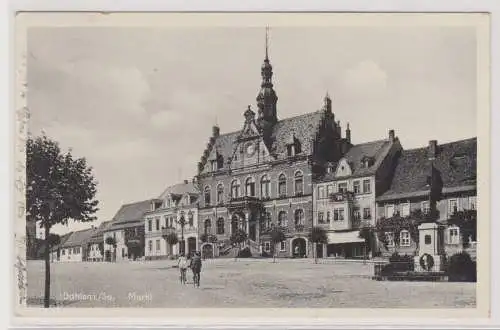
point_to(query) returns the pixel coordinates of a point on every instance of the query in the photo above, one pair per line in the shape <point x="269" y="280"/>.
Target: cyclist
<point x="196" y="268"/>
<point x="183" y="265"/>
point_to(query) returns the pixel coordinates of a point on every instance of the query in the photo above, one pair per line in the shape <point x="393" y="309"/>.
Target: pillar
<point x="247" y="222"/>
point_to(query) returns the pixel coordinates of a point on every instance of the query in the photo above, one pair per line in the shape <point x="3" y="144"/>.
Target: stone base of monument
<point x="428" y="263"/>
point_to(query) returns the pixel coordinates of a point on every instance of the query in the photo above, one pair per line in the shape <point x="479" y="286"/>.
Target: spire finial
<point x="267" y="41"/>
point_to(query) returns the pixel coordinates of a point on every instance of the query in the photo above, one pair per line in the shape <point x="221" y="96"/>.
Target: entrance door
<point x="252" y="233"/>
<point x="299" y="248"/>
<point x="319" y="250"/>
<point x="234" y="224"/>
<point x="191" y="245"/>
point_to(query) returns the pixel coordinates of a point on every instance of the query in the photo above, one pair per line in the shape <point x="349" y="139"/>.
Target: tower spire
<point x="266" y="99"/>
<point x="267" y="42"/>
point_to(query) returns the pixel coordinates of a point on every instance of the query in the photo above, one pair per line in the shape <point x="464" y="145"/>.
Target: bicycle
<point x="196" y="279"/>
<point x="183" y="276"/>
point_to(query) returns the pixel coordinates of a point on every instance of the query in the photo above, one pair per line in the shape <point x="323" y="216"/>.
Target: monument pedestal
<point x="429" y="257"/>
<point x="429" y="263"/>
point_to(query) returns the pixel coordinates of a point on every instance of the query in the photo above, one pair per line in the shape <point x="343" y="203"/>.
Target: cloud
<point x="366" y="78"/>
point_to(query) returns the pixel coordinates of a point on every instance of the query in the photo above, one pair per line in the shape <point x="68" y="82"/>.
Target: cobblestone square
<point x="242" y="283"/>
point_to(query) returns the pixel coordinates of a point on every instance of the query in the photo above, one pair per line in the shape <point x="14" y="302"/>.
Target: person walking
<point x="183" y="264"/>
<point x="196" y="268"/>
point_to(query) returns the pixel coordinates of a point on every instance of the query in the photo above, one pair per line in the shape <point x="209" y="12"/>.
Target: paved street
<point x="244" y="283"/>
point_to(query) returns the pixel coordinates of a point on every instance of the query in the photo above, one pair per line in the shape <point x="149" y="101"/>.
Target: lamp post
<point x="182" y="223"/>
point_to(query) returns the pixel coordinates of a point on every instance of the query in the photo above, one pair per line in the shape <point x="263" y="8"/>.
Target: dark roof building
<point x="130" y="215"/>
<point x="78" y="238"/>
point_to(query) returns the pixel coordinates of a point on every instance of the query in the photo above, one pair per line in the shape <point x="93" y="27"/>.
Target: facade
<point x="55" y="251"/>
<point x="262" y="175"/>
<point x="440" y="178"/>
<point x="74" y="248"/>
<point x="95" y="250"/>
<point x="174" y="212"/>
<point x="127" y="231"/>
<point x="344" y="198"/>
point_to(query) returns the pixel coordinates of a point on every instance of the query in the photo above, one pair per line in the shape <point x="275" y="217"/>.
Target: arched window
<point x="282" y="219"/>
<point x="207" y="195"/>
<point x="235" y="189"/>
<point x="250" y="187"/>
<point x="404" y="238"/>
<point x="234" y="224"/>
<point x="299" y="183"/>
<point x="190" y="219"/>
<point x="208" y="226"/>
<point x="282" y="185"/>
<point x="299" y="217"/>
<point x="220" y="226"/>
<point x="220" y="193"/>
<point x="265" y="187"/>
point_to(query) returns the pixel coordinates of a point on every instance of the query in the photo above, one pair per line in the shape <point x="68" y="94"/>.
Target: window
<point x="158" y="245"/>
<point x="190" y="219"/>
<point x="282" y="246"/>
<point x="405" y="209"/>
<point x="70" y="250"/>
<point x="157" y="223"/>
<point x="282" y="219"/>
<point x="321" y="192"/>
<point x="220" y="193"/>
<point x="264" y="186"/>
<point x="267" y="246"/>
<point x="389" y="238"/>
<point x="150" y="226"/>
<point x="425" y="207"/>
<point x="208" y="226"/>
<point x="250" y="187"/>
<point x="472" y="202"/>
<point x="235" y="189"/>
<point x="207" y="195"/>
<point x="356" y="187"/>
<point x="404" y="238"/>
<point x="214" y="165"/>
<point x="453" y="237"/>
<point x="343" y="187"/>
<point x="321" y="215"/>
<point x="282" y="185"/>
<point x="366" y="186"/>
<point x="389" y="211"/>
<point x="299" y="217"/>
<point x="299" y="183"/>
<point x="367" y="213"/>
<point x="338" y="214"/>
<point x="267" y="220"/>
<point x="356" y="213"/>
<point x="220" y="226"/>
<point x="150" y="245"/>
<point x="63" y="251"/>
<point x="328" y="217"/>
<point x="453" y="206"/>
<point x="427" y="239"/>
<point x="329" y="190"/>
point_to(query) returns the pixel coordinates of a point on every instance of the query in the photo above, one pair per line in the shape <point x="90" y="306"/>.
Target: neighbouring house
<point x="173" y="213"/>
<point x="262" y="175"/>
<point x="55" y="251"/>
<point x="344" y="198"/>
<point x="74" y="248"/>
<point x="127" y="231"/>
<point x="95" y="250"/>
<point x="434" y="183"/>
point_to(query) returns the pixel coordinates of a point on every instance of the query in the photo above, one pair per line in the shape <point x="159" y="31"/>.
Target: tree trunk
<point x="274" y="252"/>
<point x="315" y="254"/>
<point x="46" y="298"/>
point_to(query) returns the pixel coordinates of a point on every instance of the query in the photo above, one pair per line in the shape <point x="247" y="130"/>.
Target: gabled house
<point x="55" y="251"/>
<point x="74" y="248"/>
<point x="344" y="197"/>
<point x="174" y="212"/>
<point x="437" y="180"/>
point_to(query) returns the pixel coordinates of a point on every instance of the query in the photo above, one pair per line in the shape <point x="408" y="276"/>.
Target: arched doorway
<point x="191" y="241"/>
<point x="299" y="247"/>
<point x="207" y="251"/>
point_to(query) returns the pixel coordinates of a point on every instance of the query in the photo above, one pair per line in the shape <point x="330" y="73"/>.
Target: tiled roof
<point x="455" y="163"/>
<point x="377" y="150"/>
<point x="79" y="238"/>
<point x="303" y="127"/>
<point x="180" y="189"/>
<point x="131" y="212"/>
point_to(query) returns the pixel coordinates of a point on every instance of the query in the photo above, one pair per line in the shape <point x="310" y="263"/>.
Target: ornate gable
<point x="343" y="168"/>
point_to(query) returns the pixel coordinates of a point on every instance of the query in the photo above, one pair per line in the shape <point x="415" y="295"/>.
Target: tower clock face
<point x="250" y="148"/>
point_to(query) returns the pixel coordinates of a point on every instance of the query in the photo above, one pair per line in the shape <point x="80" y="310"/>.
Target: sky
<point x="139" y="103"/>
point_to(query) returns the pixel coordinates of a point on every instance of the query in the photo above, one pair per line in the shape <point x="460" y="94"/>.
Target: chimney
<point x="391" y="135"/>
<point x="215" y="131"/>
<point x="348" y="134"/>
<point x="432" y="149"/>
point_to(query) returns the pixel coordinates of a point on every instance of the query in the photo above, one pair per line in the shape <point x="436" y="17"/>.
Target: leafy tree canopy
<point x="318" y="235"/>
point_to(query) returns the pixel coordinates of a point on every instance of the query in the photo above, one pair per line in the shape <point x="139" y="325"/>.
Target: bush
<point x="461" y="268"/>
<point x="245" y="253"/>
<point x="398" y="263"/>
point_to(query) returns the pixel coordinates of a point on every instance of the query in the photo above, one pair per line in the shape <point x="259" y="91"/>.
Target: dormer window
<point x="214" y="165"/>
<point x="293" y="147"/>
<point x="367" y="162"/>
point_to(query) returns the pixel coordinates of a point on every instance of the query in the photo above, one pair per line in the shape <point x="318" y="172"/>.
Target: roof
<point x="79" y="238"/>
<point x="97" y="236"/>
<point x="180" y="189"/>
<point x="455" y="162"/>
<point x="303" y="127"/>
<point x="131" y="212"/>
<point x="62" y="240"/>
<point x="376" y="150"/>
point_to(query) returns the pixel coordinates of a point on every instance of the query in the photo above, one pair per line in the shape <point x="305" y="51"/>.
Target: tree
<point x="237" y="238"/>
<point x="466" y="221"/>
<point x="59" y="188"/>
<point x="317" y="235"/>
<point x="171" y="239"/>
<point x="367" y="234"/>
<point x="277" y="236"/>
<point x="112" y="241"/>
<point x="397" y="223"/>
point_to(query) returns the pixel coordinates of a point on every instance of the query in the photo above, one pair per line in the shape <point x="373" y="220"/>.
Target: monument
<point x="430" y="256"/>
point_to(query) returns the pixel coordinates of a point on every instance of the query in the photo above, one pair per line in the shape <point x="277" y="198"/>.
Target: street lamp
<point x="182" y="223"/>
